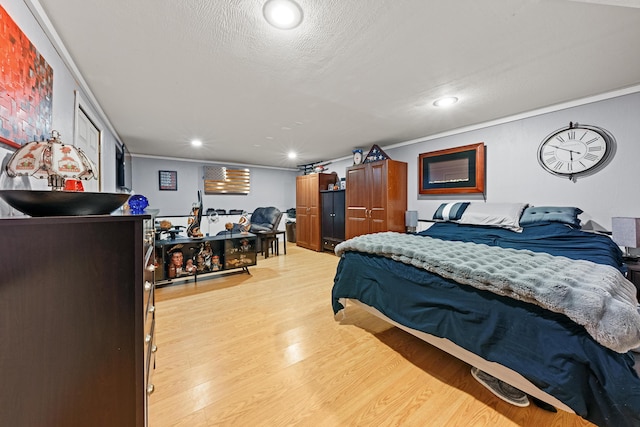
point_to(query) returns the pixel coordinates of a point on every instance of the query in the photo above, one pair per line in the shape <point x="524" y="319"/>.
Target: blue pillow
<point x="450" y="211"/>
<point x="539" y="214"/>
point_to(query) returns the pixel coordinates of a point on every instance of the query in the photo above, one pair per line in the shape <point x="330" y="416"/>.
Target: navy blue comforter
<point x="548" y="349"/>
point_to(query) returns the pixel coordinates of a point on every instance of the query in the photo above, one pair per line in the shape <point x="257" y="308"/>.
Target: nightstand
<point x="633" y="274"/>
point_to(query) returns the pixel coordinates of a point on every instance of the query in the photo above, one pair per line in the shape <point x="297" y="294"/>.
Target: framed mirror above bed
<point x="453" y="170"/>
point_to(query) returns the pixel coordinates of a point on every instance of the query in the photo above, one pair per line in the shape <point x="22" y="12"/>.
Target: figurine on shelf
<point x="190" y="267"/>
<point x="193" y="230"/>
<point x="215" y="263"/>
<point x="229" y="227"/>
<point x="244" y="223"/>
<point x="176" y="260"/>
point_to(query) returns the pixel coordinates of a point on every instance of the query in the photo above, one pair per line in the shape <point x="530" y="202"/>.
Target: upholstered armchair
<point x="265" y="219"/>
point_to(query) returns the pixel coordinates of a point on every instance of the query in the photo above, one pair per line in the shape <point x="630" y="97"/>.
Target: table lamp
<point x="411" y="221"/>
<point x="626" y="232"/>
<point x="53" y="160"/>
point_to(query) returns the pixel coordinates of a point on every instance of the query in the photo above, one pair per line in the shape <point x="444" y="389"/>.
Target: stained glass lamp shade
<point x="51" y="159"/>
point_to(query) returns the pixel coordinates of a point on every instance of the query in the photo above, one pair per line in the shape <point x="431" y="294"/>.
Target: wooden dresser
<point x="77" y="320"/>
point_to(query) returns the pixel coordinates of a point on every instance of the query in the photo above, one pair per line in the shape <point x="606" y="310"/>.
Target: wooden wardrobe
<point x="376" y="197"/>
<point x="308" y="208"/>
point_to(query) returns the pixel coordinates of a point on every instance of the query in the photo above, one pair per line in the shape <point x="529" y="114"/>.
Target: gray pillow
<point x="504" y="215"/>
<point x="540" y="214"/>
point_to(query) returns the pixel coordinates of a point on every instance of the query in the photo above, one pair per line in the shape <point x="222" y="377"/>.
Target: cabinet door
<point x="327" y="214"/>
<point x="303" y="222"/>
<point x="377" y="183"/>
<point x="357" y="200"/>
<point x="315" y="239"/>
<point x="338" y="215"/>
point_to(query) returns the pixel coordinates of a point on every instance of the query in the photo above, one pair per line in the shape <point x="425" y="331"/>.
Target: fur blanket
<point x="595" y="296"/>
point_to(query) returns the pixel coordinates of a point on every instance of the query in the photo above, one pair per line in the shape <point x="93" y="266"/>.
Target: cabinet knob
<point x="152" y="309"/>
<point x="154" y="348"/>
<point x="147" y="286"/>
<point x="150" y="389"/>
<point x="147" y="339"/>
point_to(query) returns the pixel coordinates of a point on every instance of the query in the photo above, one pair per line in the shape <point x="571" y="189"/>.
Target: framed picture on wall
<point x="168" y="180"/>
<point x="26" y="91"/>
<point x="452" y="171"/>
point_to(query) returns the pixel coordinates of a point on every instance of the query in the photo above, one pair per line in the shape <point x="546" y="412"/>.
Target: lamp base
<point x="56" y="182"/>
<point x="628" y="256"/>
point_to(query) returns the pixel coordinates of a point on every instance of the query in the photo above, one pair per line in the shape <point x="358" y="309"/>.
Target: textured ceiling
<point x="353" y="74"/>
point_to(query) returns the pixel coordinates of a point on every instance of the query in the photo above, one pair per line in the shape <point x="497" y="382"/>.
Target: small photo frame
<point x="168" y="180"/>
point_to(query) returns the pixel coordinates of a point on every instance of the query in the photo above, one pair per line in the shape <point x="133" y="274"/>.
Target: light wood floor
<point x="264" y="350"/>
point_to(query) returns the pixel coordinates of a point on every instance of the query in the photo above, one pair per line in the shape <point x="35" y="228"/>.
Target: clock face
<point x="357" y="157"/>
<point x="575" y="150"/>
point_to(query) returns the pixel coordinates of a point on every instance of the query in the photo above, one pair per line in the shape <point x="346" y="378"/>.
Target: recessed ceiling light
<point x="445" y="102"/>
<point x="292" y="155"/>
<point x="196" y="143"/>
<point x="283" y="14"/>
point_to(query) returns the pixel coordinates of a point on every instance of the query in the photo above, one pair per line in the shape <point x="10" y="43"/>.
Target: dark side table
<point x="633" y="274"/>
<point x="270" y="241"/>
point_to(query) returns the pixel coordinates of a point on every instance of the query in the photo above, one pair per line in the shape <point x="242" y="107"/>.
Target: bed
<point x="566" y="356"/>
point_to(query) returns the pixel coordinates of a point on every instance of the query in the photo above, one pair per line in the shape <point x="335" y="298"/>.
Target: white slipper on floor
<point x="501" y="389"/>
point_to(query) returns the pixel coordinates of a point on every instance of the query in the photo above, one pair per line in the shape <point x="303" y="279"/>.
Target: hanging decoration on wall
<point x="375" y="154"/>
<point x="224" y="180"/>
<point x="26" y="91"/>
<point x="576" y="150"/>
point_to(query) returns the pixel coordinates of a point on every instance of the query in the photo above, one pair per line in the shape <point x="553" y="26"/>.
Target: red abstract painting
<point x="26" y="87"/>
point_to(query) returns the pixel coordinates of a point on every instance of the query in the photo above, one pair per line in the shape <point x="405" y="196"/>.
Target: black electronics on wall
<point x="123" y="168"/>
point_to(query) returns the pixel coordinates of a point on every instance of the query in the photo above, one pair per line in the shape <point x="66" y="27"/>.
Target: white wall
<point x="512" y="170"/>
<point x="269" y="187"/>
<point x="514" y="175"/>
<point x="64" y="88"/>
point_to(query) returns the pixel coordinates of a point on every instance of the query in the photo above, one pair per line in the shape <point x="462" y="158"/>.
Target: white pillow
<point x="505" y="215"/>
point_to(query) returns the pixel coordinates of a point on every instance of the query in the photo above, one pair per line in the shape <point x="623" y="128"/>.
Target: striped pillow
<point x="450" y="211"/>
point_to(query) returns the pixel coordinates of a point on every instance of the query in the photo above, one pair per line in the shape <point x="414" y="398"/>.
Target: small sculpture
<point x="244" y="223"/>
<point x="193" y="230"/>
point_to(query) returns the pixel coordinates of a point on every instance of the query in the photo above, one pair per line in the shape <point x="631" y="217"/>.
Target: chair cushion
<point x="265" y="219"/>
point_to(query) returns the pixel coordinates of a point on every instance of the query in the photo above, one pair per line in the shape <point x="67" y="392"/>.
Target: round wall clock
<point x="357" y="156"/>
<point x="576" y="150"/>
